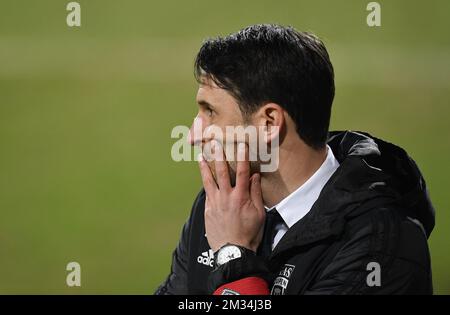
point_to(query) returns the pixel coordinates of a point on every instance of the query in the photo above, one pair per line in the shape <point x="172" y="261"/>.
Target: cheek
<point x="254" y="167"/>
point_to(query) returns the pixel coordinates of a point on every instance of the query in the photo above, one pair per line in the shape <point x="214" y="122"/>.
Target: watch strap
<point x="248" y="265"/>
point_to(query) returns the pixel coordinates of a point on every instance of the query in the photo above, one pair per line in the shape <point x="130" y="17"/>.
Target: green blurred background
<point x="86" y="114"/>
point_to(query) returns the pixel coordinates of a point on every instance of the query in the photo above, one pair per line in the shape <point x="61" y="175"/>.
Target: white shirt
<point x="296" y="205"/>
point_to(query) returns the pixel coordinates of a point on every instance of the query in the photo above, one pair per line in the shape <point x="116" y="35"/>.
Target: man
<point x="343" y="213"/>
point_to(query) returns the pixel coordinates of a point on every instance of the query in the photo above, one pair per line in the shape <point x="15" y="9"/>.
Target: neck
<point x="297" y="163"/>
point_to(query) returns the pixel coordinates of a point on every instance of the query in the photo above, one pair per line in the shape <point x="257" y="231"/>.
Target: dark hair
<point x="272" y="63"/>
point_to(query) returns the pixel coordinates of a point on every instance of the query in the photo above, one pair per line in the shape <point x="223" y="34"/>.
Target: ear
<point x="270" y="116"/>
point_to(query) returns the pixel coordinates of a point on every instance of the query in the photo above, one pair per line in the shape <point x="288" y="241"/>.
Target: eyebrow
<point x="204" y="103"/>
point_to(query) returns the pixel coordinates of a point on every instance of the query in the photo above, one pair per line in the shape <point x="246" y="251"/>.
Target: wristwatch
<point x="229" y="252"/>
<point x="233" y="262"/>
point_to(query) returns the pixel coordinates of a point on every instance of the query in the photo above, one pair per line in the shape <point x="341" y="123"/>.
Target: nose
<point x="195" y="133"/>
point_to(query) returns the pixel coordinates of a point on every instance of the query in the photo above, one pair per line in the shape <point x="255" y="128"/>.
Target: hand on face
<point x="232" y="214"/>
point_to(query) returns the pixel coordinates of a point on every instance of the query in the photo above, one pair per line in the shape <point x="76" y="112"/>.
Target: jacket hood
<point x="397" y="172"/>
<point x="372" y="173"/>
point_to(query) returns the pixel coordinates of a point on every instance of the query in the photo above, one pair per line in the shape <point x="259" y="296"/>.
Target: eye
<point x="209" y="112"/>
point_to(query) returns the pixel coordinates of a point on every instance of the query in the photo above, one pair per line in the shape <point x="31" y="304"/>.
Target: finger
<point x="206" y="203"/>
<point x="207" y="179"/>
<point x="221" y="166"/>
<point x="242" y="169"/>
<point x="255" y="191"/>
<point x="207" y="209"/>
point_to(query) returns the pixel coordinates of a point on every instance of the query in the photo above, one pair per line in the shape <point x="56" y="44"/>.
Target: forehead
<point x="209" y="91"/>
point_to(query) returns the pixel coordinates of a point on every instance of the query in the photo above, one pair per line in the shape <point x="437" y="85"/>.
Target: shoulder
<point x="387" y="229"/>
<point x="386" y="240"/>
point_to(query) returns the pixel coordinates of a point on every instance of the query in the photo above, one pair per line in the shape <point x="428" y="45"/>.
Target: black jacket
<point x="374" y="209"/>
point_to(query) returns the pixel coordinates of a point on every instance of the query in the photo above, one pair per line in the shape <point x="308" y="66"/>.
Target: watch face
<point x="228" y="253"/>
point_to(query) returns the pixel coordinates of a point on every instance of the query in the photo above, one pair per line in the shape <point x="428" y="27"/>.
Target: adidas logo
<point x="206" y="258"/>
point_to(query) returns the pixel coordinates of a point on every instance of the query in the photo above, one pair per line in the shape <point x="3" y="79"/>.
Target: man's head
<point x="266" y="75"/>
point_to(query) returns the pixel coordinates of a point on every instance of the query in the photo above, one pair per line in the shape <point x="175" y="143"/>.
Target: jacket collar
<point x="346" y="190"/>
